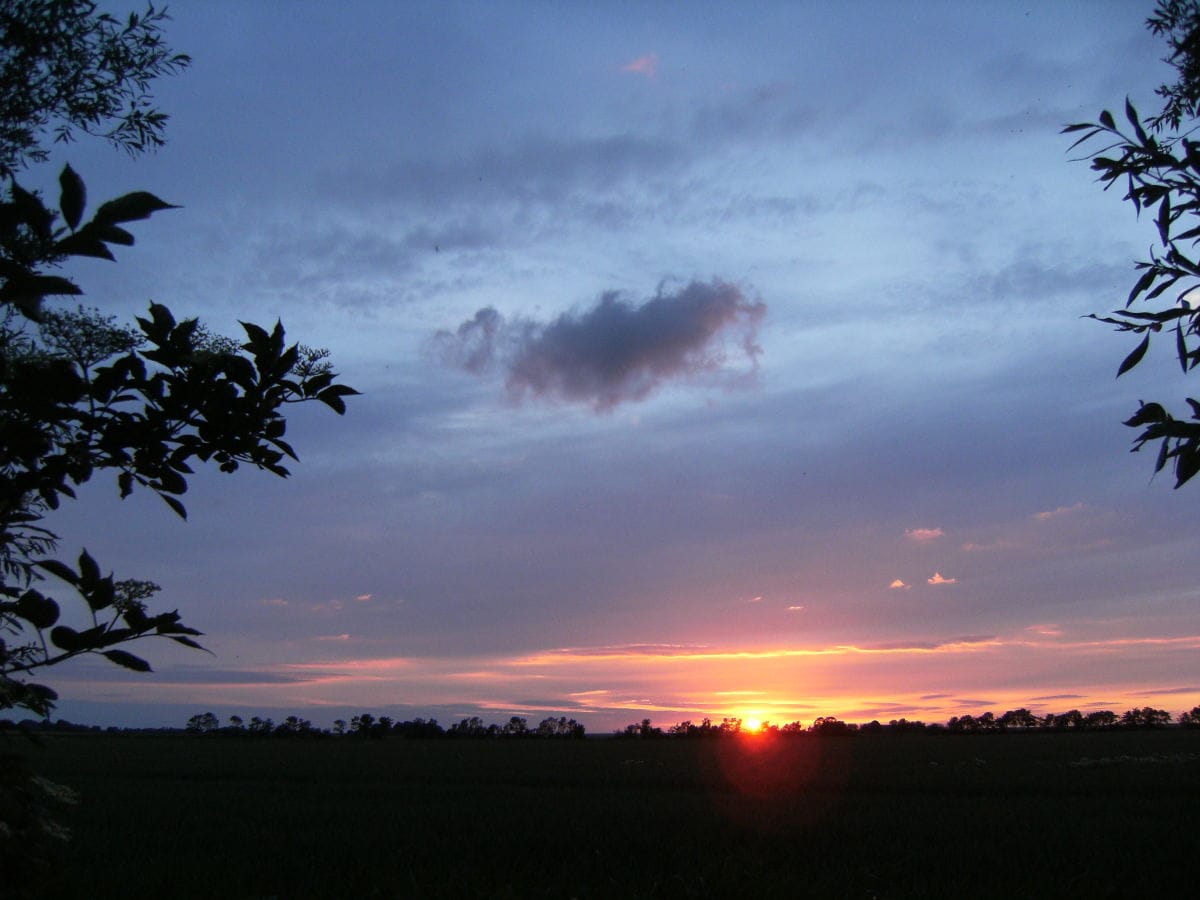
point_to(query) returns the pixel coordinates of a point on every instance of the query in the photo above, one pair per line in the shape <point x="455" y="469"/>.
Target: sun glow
<point x="752" y="724"/>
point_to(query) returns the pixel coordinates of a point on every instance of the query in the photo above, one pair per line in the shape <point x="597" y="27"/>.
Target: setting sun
<point x="752" y="724"/>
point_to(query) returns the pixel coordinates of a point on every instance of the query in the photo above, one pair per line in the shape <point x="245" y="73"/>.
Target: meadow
<point x="1030" y="815"/>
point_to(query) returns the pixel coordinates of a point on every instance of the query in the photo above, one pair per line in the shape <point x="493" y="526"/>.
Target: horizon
<point x="715" y="365"/>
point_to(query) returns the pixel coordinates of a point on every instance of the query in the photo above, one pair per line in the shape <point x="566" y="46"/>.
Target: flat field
<point x="1013" y="815"/>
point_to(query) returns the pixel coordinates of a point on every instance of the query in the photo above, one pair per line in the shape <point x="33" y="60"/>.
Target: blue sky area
<point x="716" y="359"/>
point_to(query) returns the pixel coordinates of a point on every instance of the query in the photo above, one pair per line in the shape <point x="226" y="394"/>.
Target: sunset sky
<point x="716" y="359"/>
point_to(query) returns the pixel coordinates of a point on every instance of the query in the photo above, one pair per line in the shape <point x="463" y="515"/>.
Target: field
<point x="1015" y="815"/>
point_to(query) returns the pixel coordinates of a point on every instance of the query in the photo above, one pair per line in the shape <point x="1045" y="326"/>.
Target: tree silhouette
<point x="81" y="393"/>
<point x="62" y="64"/>
<point x="1158" y="162"/>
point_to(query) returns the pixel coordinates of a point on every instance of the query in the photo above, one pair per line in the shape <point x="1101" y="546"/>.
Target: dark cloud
<point x="187" y="675"/>
<point x="614" y="352"/>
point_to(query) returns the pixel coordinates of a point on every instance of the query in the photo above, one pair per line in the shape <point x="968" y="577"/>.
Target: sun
<point x="752" y="724"/>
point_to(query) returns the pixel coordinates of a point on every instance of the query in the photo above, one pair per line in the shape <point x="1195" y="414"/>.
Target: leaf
<point x="89" y="572"/>
<point x="128" y="660"/>
<point x="179" y="508"/>
<point x="40" y="286"/>
<point x="332" y="397"/>
<point x="1132" y="116"/>
<point x="114" y="235"/>
<point x="1164" y="220"/>
<point x="1135" y="357"/>
<point x="58" y="570"/>
<point x="1147" y="413"/>
<point x="1144" y="282"/>
<point x="172" y="482"/>
<point x="188" y="642"/>
<point x="84" y="243"/>
<point x="101" y="596"/>
<point x="73" y="197"/>
<point x="1106" y="120"/>
<point x="37" y="610"/>
<point x="1187" y="465"/>
<point x="130" y="208"/>
<point x="65" y="638"/>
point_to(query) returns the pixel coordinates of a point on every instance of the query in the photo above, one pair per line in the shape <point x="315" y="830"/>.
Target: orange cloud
<point x="939" y="579"/>
<point x="646" y="65"/>
<point x="923" y="535"/>
<point x="795" y="608"/>
<point x="363" y="598"/>
<point x="897" y="583"/>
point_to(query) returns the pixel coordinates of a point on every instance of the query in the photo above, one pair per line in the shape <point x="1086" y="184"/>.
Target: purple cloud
<point x="613" y="352"/>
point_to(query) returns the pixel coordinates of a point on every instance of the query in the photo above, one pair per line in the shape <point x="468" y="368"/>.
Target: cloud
<point x="363" y="598"/>
<point x="923" y="535"/>
<point x="1059" y="511"/>
<point x="646" y="65"/>
<point x="1058" y="697"/>
<point x="795" y="608"/>
<point x="939" y="579"/>
<point x="952" y="643"/>
<point x="897" y="583"/>
<point x="613" y="352"/>
<point x="1048" y="629"/>
<point x="273" y="601"/>
<point x="1178" y="690"/>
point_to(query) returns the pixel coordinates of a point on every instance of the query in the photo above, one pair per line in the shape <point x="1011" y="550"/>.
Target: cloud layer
<point x="614" y="352"/>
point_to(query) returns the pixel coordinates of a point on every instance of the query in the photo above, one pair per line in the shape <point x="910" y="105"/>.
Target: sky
<point x="718" y="360"/>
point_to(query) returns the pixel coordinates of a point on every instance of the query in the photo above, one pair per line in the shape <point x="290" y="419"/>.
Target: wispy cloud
<point x="645" y="65"/>
<point x="923" y="535"/>
<point x="938" y="578"/>
<point x="613" y="352"/>
<point x="1059" y="511"/>
<point x="1048" y="629"/>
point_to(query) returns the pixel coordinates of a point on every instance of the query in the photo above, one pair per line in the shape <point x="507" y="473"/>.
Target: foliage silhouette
<point x="80" y="393"/>
<point x="1159" y="163"/>
<point x="63" y="64"/>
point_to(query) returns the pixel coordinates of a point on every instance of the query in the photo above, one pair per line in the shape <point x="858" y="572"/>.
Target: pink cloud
<point x="795" y="608"/>
<point x="1048" y="629"/>
<point x="363" y="598"/>
<point x="939" y="579"/>
<point x="897" y="583"/>
<point x="644" y="65"/>
<point x="923" y="535"/>
<point x="1059" y="511"/>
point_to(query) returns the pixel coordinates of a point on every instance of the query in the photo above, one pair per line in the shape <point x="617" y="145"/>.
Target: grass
<point x="869" y="817"/>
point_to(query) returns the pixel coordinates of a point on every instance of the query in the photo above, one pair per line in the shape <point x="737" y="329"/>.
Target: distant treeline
<point x="367" y="725"/>
<point x="362" y="726"/>
<point x="1013" y="720"/>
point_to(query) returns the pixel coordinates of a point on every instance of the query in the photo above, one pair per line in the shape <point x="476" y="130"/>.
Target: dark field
<point x="1011" y="815"/>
